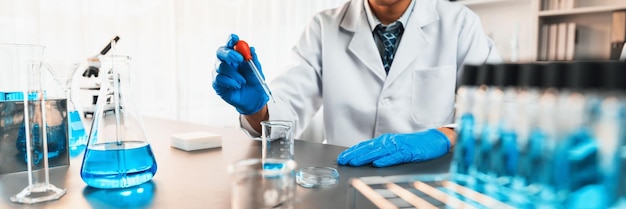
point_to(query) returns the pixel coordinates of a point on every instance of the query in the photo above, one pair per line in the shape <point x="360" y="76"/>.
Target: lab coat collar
<point x="412" y="43"/>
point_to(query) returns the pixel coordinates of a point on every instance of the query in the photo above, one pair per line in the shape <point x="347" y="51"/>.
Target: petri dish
<point x="314" y="177"/>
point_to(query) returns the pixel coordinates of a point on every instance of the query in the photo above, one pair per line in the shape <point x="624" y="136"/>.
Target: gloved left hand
<point x="392" y="149"/>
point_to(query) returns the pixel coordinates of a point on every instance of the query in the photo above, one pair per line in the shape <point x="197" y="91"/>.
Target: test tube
<point x="464" y="150"/>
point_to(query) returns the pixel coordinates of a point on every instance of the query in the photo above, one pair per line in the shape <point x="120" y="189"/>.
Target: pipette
<point x="242" y="47"/>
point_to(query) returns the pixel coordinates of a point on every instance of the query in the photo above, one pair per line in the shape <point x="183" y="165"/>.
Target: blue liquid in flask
<point x="112" y="165"/>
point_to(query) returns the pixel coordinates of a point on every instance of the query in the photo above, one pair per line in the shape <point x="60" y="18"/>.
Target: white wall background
<point x="172" y="42"/>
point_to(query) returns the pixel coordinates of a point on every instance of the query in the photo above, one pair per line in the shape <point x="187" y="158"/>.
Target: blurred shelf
<point x="487" y="2"/>
<point x="582" y="10"/>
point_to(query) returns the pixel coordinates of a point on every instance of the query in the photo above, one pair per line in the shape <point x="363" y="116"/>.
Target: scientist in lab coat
<point x="384" y="70"/>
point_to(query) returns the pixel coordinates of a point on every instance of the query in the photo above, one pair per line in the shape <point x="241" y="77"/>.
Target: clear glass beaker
<point x="22" y="84"/>
<point x="277" y="139"/>
<point x="118" y="154"/>
<point x="255" y="186"/>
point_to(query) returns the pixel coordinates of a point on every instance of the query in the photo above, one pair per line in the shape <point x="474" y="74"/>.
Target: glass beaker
<point x="63" y="73"/>
<point x="277" y="140"/>
<point x="118" y="154"/>
<point x="254" y="186"/>
<point x="22" y="84"/>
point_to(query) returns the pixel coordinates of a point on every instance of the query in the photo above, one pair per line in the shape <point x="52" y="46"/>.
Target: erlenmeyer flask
<point x="118" y="154"/>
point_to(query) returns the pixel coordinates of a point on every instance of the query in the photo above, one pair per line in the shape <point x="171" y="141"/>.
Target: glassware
<point x="315" y="177"/>
<point x="63" y="72"/>
<point x="140" y="196"/>
<point x="277" y="139"/>
<point x="20" y="66"/>
<point x="56" y="133"/>
<point x="118" y="154"/>
<point x="464" y="150"/>
<point x="254" y="186"/>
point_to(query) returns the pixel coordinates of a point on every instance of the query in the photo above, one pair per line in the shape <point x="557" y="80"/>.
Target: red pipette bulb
<point x="242" y="47"/>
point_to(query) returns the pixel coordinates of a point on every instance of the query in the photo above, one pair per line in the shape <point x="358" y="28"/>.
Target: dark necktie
<point x="389" y="39"/>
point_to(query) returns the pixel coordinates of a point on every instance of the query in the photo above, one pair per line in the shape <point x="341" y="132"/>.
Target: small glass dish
<point x="314" y="177"/>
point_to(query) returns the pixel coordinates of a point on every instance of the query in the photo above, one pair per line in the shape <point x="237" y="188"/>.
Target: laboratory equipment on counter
<point x="13" y="155"/>
<point x="612" y="121"/>
<point x="118" y="154"/>
<point x="254" y="186"/>
<point x="560" y="135"/>
<point x="277" y="140"/>
<point x="481" y="164"/>
<point x="465" y="145"/>
<point x="315" y="177"/>
<point x="56" y="130"/>
<point x="506" y="79"/>
<point x="140" y="196"/>
<point x="20" y="65"/>
<point x="63" y="72"/>
<point x="529" y="144"/>
<point x="242" y="47"/>
<point x="416" y="191"/>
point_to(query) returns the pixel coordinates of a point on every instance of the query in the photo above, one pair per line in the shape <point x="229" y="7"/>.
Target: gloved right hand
<point x="236" y="83"/>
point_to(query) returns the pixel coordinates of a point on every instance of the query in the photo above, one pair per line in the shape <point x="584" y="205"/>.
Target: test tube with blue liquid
<point x="508" y="154"/>
<point x="465" y="104"/>
<point x="615" y="85"/>
<point x="529" y="142"/>
<point x="610" y="130"/>
<point x="489" y="98"/>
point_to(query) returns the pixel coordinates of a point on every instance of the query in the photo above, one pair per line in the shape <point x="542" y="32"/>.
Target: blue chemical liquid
<point x="56" y="142"/>
<point x="484" y="155"/>
<point x="77" y="130"/>
<point x="77" y="136"/>
<point x="510" y="152"/>
<point x="110" y="165"/>
<point x="272" y="166"/>
<point x="140" y="196"/>
<point x="464" y="151"/>
<point x="531" y="157"/>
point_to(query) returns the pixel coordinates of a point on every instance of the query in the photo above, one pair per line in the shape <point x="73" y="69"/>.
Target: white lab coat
<point x="339" y="66"/>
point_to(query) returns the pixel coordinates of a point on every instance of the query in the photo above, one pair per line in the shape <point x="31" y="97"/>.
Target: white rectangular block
<point x="196" y="141"/>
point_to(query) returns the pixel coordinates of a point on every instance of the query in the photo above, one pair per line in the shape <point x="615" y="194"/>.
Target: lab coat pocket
<point x="432" y="99"/>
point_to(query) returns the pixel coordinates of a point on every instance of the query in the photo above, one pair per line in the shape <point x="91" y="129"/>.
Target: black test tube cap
<point x="553" y="75"/>
<point x="505" y="75"/>
<point x="469" y="76"/>
<point x="613" y="76"/>
<point x="485" y="75"/>
<point x="530" y="75"/>
<point x="583" y="75"/>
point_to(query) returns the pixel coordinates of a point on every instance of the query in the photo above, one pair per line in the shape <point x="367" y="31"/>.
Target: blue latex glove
<point x="392" y="149"/>
<point x="236" y="83"/>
